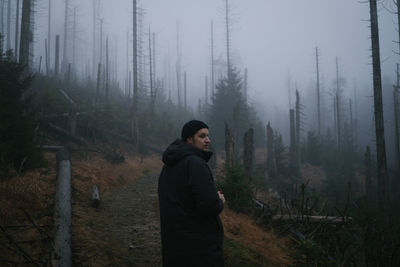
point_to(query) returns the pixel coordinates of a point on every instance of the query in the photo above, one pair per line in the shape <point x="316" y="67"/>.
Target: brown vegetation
<point x="242" y="228"/>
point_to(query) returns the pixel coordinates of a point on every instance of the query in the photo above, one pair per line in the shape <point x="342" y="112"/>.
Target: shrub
<point x="237" y="190"/>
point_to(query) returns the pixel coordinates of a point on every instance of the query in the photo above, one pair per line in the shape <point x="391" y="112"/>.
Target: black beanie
<point x="191" y="127"/>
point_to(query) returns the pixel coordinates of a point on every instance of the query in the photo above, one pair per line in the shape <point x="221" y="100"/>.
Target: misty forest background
<point x="80" y="85"/>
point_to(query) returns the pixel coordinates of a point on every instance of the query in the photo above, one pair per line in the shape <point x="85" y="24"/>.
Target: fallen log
<point x="51" y="148"/>
<point x="62" y="211"/>
<point x="311" y="219"/>
<point x="95" y="196"/>
<point x="60" y="131"/>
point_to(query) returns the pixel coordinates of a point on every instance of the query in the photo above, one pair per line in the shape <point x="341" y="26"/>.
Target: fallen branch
<point x="23" y="253"/>
<point x="64" y="133"/>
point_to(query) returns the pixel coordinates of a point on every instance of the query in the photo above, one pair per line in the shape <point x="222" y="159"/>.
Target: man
<point x="191" y="230"/>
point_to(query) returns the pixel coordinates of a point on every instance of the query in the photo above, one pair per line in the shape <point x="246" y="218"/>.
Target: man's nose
<point x="207" y="139"/>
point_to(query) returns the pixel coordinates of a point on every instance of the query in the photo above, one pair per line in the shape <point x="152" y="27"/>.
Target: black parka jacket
<point x="191" y="230"/>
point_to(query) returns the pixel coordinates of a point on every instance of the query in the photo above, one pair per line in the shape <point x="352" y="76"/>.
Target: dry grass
<point x="92" y="249"/>
<point x="32" y="192"/>
<point x="241" y="228"/>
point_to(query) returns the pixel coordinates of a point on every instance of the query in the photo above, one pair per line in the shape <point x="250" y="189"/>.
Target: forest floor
<point x="124" y="229"/>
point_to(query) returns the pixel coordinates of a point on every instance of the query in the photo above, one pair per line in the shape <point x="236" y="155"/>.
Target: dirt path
<point x="130" y="221"/>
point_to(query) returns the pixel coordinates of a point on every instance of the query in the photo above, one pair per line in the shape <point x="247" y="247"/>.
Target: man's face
<point x="200" y="139"/>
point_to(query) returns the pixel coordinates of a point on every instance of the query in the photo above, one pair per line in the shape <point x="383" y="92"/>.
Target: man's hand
<point x="221" y="196"/>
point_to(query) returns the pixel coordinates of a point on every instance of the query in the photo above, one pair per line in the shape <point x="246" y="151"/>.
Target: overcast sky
<point x="273" y="39"/>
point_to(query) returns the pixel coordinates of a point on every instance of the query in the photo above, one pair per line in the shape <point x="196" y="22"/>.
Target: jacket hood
<point x="179" y="149"/>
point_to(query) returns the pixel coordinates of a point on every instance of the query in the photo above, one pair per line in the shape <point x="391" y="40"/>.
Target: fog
<point x="275" y="40"/>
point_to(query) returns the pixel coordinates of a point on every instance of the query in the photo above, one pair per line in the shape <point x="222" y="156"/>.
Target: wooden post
<point x="62" y="211"/>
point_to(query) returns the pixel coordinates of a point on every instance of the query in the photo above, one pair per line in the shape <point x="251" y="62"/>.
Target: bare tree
<point x="134" y="131"/>
<point x="9" y="25"/>
<point x="65" y="39"/>
<point x="57" y="56"/>
<point x="48" y="38"/>
<point x="212" y="60"/>
<point x="378" y="108"/>
<point x="16" y="30"/>
<point x="228" y="40"/>
<point x="297" y="127"/>
<point x="26" y="33"/>
<point x="318" y="93"/>
<point x="338" y="106"/>
<point x="227" y="26"/>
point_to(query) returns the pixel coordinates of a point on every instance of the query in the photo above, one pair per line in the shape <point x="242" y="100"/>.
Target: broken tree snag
<point x="248" y="154"/>
<point x="229" y="147"/>
<point x="95" y="196"/>
<point x="62" y="211"/>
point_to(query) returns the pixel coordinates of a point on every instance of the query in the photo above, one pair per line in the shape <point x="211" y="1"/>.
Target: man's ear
<point x="189" y="140"/>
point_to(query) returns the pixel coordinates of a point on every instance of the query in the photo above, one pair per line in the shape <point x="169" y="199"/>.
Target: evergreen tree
<point x="17" y="122"/>
<point x="229" y="105"/>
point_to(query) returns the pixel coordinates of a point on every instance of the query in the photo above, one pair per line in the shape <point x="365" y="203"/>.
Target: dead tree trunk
<point x="74" y="42"/>
<point x="298" y="121"/>
<point x="107" y="75"/>
<point x="48" y="37"/>
<point x="248" y="152"/>
<point x="26" y="34"/>
<point x="57" y="57"/>
<point x="64" y="63"/>
<point x="2" y="21"/>
<point x="292" y="149"/>
<point x="152" y="94"/>
<point x="271" y="161"/>
<point x="134" y="124"/>
<point x="16" y="31"/>
<point x="184" y="91"/>
<point x="229" y="147"/>
<point x="228" y="57"/>
<point x="212" y="60"/>
<point x="368" y="172"/>
<point x="245" y="88"/>
<point x="318" y="94"/>
<point x="93" y="39"/>
<point x="338" y="115"/>
<point x="178" y="67"/>
<point x="378" y="109"/>
<point x="9" y="25"/>
<point x="206" y="91"/>
<point x="396" y="118"/>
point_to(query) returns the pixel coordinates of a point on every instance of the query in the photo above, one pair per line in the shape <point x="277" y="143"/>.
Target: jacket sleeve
<point x="203" y="189"/>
